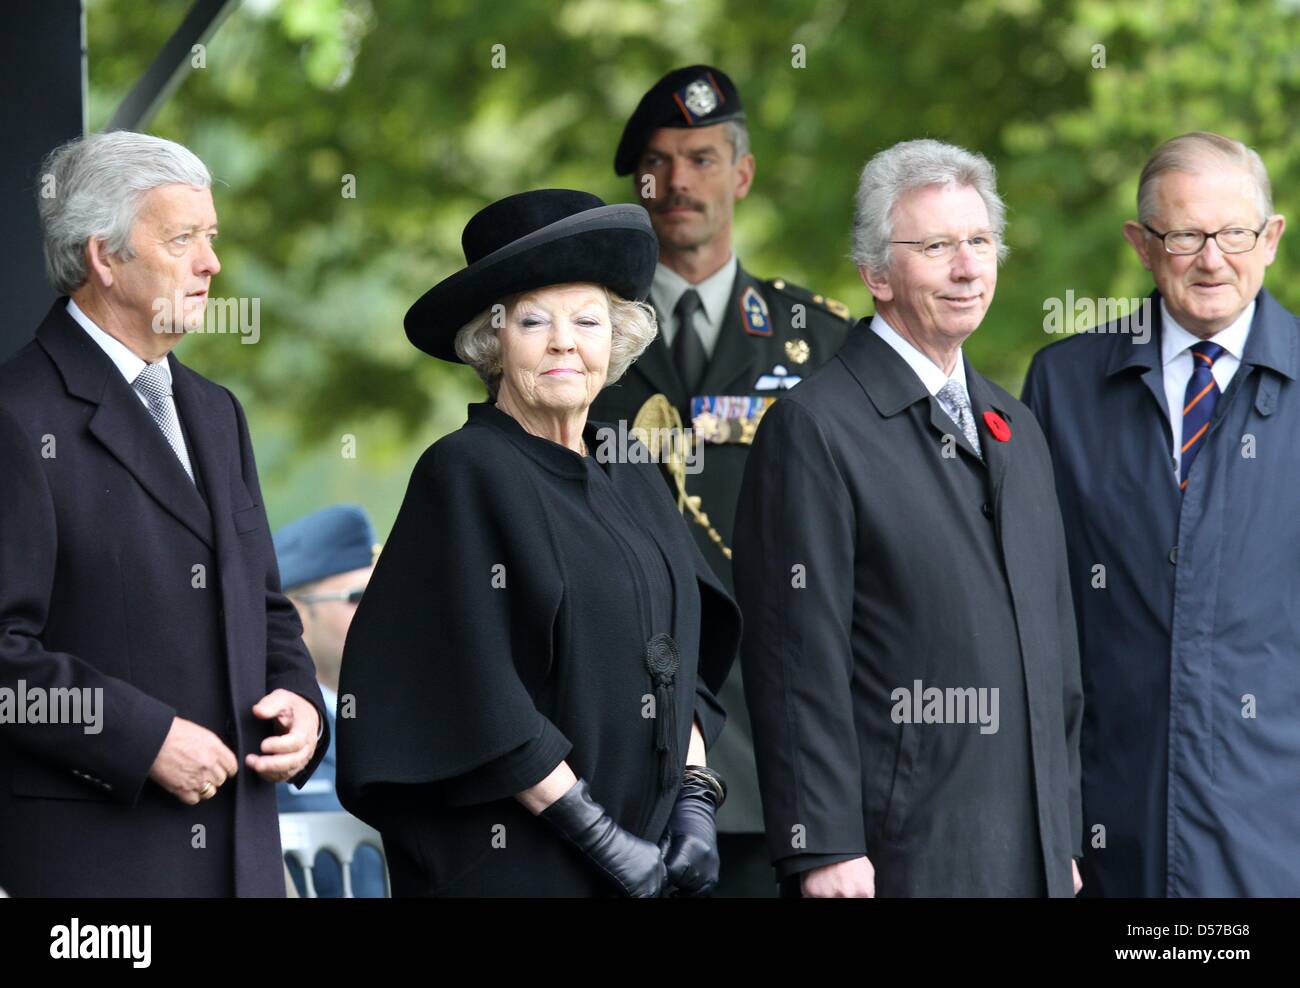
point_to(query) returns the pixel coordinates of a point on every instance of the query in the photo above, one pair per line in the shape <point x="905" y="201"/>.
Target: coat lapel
<point x="997" y="453"/>
<point x="943" y="424"/>
<point x="883" y="374"/>
<point x="207" y="449"/>
<point x="1274" y="342"/>
<point x="120" y="422"/>
<point x="1144" y="358"/>
<point x="892" y="386"/>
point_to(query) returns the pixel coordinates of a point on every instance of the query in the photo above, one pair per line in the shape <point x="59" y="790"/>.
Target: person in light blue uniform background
<point x="325" y="561"/>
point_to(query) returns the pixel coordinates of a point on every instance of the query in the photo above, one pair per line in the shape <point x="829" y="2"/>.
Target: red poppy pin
<point x="997" y="426"/>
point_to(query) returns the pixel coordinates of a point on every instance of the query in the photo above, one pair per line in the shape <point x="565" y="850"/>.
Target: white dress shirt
<point x="1178" y="362"/>
<point x="668" y="288"/>
<point x="930" y="373"/>
<point x="123" y="359"/>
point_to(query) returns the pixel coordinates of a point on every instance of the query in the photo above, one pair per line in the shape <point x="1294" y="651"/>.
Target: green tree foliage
<point x="435" y="109"/>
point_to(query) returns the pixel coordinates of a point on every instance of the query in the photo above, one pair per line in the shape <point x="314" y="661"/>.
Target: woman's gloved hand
<point x="635" y="865"/>
<point x="690" y="841"/>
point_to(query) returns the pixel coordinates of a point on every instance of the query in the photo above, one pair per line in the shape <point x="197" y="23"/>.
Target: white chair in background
<point x="304" y="835"/>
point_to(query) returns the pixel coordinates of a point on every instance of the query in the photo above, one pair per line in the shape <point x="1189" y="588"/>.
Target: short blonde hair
<point x="633" y="327"/>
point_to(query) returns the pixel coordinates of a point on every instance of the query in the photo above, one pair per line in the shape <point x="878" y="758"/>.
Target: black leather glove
<point x="635" y="865"/>
<point x="690" y="841"/>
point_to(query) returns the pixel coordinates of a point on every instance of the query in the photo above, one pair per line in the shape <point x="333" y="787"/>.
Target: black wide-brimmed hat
<point x="531" y="240"/>
<point x="694" y="96"/>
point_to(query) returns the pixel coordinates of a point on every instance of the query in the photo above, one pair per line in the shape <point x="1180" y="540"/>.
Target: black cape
<point x="505" y="629"/>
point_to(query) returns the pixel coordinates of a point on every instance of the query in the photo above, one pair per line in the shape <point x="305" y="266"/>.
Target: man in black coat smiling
<point x="909" y="652"/>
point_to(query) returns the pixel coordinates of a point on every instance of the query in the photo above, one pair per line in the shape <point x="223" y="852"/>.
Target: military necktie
<point x="1198" y="404"/>
<point x="688" y="349"/>
<point x="152" y="384"/>
<point x="952" y="396"/>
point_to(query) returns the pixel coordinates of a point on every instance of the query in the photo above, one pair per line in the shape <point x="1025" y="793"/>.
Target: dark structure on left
<point x="43" y="104"/>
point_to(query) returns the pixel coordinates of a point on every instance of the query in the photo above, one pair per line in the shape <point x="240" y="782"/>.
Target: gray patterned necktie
<point x="152" y="385"/>
<point x="952" y="396"/>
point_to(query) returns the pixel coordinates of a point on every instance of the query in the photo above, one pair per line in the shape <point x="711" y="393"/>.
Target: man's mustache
<point x="679" y="202"/>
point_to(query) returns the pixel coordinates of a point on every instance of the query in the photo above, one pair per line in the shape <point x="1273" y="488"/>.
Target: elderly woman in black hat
<point x="532" y="670"/>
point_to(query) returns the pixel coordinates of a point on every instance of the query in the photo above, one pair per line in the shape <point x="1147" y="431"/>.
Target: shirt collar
<point x="930" y="373"/>
<point x="668" y="287"/>
<point x="1175" y="340"/>
<point x="127" y="363"/>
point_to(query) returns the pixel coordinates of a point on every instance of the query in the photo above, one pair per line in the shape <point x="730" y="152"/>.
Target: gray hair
<point x="738" y="135"/>
<point x="633" y="326"/>
<point x="904" y="168"/>
<point x="1193" y="153"/>
<point x="98" y="183"/>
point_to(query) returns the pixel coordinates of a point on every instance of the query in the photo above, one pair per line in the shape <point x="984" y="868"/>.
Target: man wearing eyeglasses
<point x="1178" y="465"/>
<point x="325" y="561"/>
<point x="910" y="659"/>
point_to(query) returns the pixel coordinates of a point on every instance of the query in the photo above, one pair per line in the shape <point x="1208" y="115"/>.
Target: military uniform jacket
<point x="769" y="326"/>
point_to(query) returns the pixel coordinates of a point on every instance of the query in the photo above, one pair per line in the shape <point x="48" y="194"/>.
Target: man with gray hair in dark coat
<point x="909" y="651"/>
<point x="136" y="567"/>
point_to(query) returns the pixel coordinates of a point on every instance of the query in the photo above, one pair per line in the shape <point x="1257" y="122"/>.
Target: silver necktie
<point x="153" y="387"/>
<point x="952" y="396"/>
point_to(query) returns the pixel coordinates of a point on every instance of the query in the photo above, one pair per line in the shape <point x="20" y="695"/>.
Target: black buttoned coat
<point x="875" y="552"/>
<point x="118" y="574"/>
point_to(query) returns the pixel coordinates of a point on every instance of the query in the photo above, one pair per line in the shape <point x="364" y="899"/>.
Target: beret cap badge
<point x="699" y="98"/>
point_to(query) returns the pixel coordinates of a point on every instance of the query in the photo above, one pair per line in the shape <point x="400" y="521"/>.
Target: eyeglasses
<point x="943" y="248"/>
<point x="351" y="596"/>
<point x="1231" y="239"/>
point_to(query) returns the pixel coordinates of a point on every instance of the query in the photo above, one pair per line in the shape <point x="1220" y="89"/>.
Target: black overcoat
<point x="868" y="561"/>
<point x="505" y="629"/>
<point x="117" y="573"/>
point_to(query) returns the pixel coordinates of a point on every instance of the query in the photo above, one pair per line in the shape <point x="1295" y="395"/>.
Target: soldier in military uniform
<point x="729" y="345"/>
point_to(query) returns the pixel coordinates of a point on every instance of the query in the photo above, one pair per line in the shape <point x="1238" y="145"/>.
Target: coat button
<point x="1173" y="555"/>
<point x="987" y="509"/>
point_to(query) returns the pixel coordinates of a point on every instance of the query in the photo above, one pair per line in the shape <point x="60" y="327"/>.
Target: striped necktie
<point x="1198" y="405"/>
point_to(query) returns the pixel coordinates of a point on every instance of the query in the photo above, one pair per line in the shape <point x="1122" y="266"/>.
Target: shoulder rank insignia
<point x="797" y="351"/>
<point x="753" y="312"/>
<point x="833" y="306"/>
